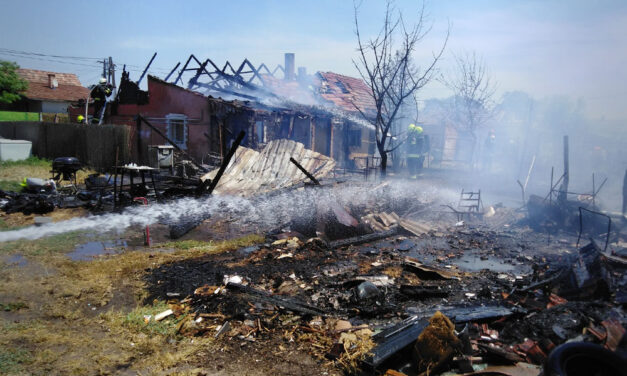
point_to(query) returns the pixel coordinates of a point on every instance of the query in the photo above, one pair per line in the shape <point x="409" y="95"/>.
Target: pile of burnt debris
<point x="407" y="296"/>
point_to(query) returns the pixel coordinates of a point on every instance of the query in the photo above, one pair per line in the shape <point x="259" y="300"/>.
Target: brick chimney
<point x="289" y="66"/>
<point x="52" y="82"/>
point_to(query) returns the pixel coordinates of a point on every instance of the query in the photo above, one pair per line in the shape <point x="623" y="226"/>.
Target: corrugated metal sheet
<point x="251" y="172"/>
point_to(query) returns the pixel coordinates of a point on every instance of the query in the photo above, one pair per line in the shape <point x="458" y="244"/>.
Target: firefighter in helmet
<point x="99" y="94"/>
<point x="417" y="148"/>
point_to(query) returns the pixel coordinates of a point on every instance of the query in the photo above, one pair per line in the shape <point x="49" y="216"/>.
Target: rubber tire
<point x="560" y="361"/>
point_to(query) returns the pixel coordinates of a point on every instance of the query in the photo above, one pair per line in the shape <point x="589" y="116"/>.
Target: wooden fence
<point x="93" y="145"/>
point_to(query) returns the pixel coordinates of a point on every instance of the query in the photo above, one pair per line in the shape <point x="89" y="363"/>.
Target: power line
<point x="50" y="60"/>
<point x="89" y="62"/>
<point x="97" y="60"/>
<point x="46" y="55"/>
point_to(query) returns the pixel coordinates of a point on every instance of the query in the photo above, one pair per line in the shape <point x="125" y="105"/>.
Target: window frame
<point x="175" y="119"/>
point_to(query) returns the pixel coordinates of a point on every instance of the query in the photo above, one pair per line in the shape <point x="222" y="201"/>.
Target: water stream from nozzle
<point x="265" y="211"/>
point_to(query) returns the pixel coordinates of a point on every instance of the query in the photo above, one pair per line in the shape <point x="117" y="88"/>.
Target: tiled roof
<point x="346" y="92"/>
<point x="69" y="89"/>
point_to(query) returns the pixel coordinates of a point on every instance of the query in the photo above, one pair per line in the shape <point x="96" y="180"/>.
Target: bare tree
<point x="386" y="64"/>
<point x="473" y="91"/>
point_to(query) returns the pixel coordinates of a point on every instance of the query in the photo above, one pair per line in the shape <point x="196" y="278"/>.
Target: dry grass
<point x="70" y="325"/>
<point x="13" y="172"/>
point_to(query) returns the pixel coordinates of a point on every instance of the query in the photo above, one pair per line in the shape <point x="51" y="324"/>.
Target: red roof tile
<point x="346" y="92"/>
<point x="69" y="89"/>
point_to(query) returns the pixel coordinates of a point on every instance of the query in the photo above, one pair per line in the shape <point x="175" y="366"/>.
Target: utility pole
<point x="563" y="194"/>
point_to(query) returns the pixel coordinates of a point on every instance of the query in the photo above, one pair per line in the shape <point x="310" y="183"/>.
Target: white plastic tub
<point x="15" y="150"/>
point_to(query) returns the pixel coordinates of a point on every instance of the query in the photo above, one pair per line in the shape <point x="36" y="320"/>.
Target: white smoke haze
<point x="267" y="212"/>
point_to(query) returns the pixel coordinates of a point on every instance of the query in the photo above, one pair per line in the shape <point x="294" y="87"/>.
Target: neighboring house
<point x="49" y="92"/>
<point x="352" y="96"/>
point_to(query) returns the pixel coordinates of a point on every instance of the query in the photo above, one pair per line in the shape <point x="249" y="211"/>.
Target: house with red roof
<point x="349" y="94"/>
<point x="49" y="92"/>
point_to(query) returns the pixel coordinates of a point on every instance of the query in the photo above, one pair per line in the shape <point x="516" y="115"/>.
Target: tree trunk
<point x="473" y="149"/>
<point x="384" y="159"/>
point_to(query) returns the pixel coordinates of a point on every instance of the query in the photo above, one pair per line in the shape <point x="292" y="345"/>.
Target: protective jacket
<point x="417" y="145"/>
<point x="101" y="92"/>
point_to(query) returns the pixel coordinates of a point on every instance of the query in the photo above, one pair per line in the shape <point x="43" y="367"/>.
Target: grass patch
<point x="3" y="224"/>
<point x="30" y="161"/>
<point x="60" y="243"/>
<point x="63" y="339"/>
<point x="12" y="306"/>
<point x="10" y="185"/>
<point x="13" y="359"/>
<point x="13" y="172"/>
<point x="135" y="321"/>
<point x="211" y="247"/>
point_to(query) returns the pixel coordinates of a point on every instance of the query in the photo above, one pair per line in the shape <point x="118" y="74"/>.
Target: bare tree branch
<point x="473" y="90"/>
<point x="387" y="66"/>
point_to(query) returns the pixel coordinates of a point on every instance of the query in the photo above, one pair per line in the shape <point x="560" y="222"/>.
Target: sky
<point x="547" y="48"/>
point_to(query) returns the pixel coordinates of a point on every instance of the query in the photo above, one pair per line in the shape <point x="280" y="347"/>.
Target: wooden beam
<point x="563" y="194"/>
<point x="310" y="176"/>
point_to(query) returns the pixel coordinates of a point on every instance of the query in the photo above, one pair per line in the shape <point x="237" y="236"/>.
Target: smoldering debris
<point x="365" y="302"/>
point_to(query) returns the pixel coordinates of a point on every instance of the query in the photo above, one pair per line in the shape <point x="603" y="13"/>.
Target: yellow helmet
<point x="412" y="127"/>
<point x="418" y="129"/>
<point x="80" y="118"/>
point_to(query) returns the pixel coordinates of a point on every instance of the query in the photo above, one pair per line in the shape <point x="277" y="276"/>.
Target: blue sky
<point x="575" y="48"/>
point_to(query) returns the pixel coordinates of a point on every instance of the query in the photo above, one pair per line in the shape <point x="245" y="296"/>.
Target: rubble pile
<point x="402" y="300"/>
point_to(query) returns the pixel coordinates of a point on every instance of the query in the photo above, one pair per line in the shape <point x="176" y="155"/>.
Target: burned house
<point x="318" y="111"/>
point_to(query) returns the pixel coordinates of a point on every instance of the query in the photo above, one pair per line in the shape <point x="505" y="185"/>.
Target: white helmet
<point x="103" y="80"/>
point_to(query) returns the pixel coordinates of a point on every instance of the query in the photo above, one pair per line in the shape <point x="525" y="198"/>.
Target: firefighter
<point x="99" y="94"/>
<point x="417" y="148"/>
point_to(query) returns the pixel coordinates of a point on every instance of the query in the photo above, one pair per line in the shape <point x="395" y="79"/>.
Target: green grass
<point x="186" y="244"/>
<point x="217" y="247"/>
<point x="12" y="306"/>
<point x="60" y="243"/>
<point x="18" y="116"/>
<point x="12" y="359"/>
<point x="135" y="320"/>
<point x="30" y="161"/>
<point x="13" y="172"/>
<point x="3" y="224"/>
<point x="10" y="185"/>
